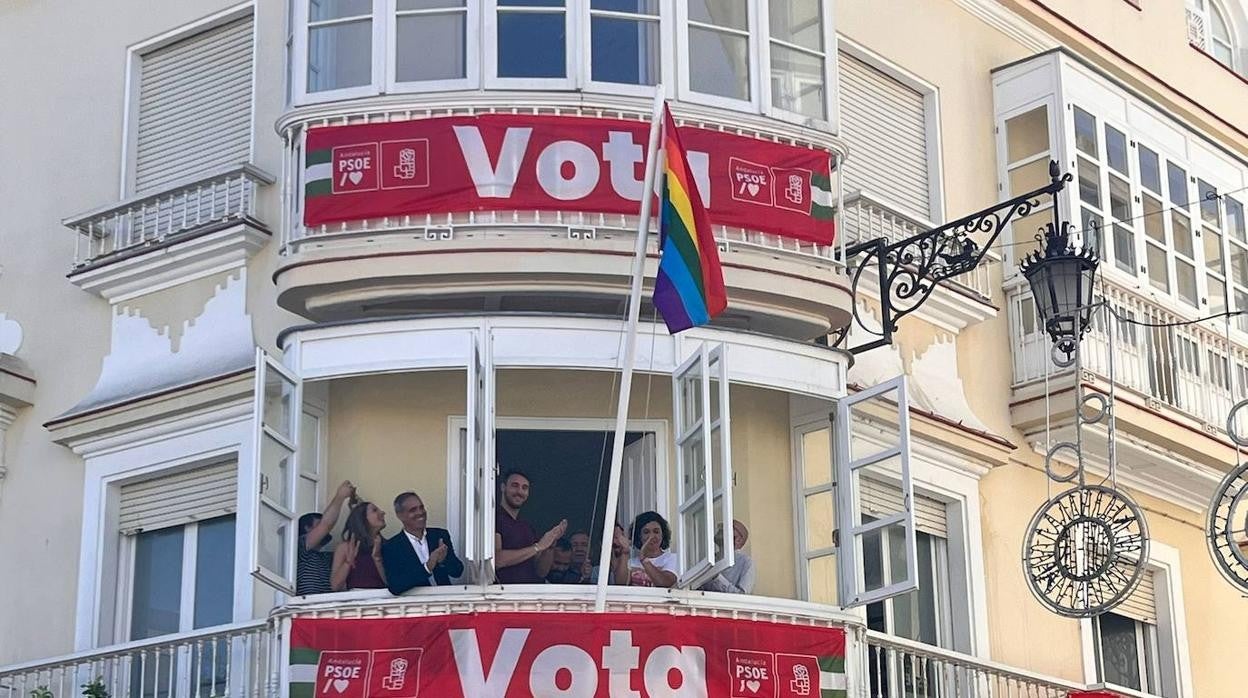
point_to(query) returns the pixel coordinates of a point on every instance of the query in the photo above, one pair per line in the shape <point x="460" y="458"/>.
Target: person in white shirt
<point x="738" y="579"/>
<point x="651" y="564"/>
<point x="418" y="556"/>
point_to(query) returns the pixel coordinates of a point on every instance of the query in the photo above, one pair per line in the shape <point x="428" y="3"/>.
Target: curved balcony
<point x="574" y="261"/>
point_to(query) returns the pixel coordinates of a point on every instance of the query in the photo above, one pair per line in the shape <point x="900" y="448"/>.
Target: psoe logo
<point x="342" y="674"/>
<point x="751" y="182"/>
<point x="395" y="673"/>
<point x="405" y="164"/>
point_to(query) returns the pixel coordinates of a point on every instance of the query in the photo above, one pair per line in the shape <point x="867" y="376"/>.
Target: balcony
<point x="249" y="660"/>
<point x="572" y="261"/>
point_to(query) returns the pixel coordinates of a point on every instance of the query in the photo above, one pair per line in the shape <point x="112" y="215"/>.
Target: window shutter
<point x="194" y="106"/>
<point x="929" y="514"/>
<point x="179" y="499"/>
<point x="885" y="123"/>
<point x="1141" y="605"/>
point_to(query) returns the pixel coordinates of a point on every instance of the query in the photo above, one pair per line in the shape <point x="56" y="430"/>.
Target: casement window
<point x="1025" y="148"/>
<point x="1126" y="641"/>
<point x="1209" y="29"/>
<point x="190" y="109"/>
<point x="760" y="56"/>
<point x="890" y="127"/>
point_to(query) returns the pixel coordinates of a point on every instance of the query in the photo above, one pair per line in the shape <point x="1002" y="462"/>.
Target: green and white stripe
<point x="822" y="202"/>
<point x="832" y="680"/>
<point x="318" y="173"/>
<point x="303" y="663"/>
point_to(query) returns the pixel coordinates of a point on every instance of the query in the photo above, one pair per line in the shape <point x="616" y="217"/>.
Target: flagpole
<point x="630" y="350"/>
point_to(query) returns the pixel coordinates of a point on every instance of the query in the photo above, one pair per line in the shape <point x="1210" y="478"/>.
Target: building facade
<point x="389" y="241"/>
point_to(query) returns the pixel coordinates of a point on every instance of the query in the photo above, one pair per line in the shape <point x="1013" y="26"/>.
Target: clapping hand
<point x="436" y="556"/>
<point x="554" y="534"/>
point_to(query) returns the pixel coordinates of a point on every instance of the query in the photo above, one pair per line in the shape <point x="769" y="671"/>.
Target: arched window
<point x="1209" y="28"/>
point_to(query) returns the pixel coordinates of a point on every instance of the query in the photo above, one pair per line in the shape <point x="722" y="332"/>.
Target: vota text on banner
<point x="555" y="163"/>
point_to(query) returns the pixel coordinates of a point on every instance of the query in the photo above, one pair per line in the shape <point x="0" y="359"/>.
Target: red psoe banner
<point x="555" y="163"/>
<point x="570" y="655"/>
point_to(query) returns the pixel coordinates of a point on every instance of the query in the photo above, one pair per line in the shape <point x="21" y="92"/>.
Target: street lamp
<point x="1061" y="277"/>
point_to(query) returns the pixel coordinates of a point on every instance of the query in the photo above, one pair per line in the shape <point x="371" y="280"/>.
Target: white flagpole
<point x="630" y="349"/>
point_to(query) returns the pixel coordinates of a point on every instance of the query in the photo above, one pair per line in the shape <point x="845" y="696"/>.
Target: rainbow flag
<point x="689" y="290"/>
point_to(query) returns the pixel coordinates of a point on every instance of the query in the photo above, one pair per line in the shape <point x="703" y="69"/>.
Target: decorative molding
<point x="997" y="16"/>
<point x="162" y="267"/>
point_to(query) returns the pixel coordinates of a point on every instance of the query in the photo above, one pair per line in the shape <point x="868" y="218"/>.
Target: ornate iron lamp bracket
<point x="910" y="269"/>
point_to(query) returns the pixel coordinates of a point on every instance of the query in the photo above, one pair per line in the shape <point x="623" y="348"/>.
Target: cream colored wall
<point x="60" y="136"/>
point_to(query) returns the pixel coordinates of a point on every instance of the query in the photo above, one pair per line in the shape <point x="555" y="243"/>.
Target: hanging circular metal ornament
<point x="1085" y="550"/>
<point x="1227" y="527"/>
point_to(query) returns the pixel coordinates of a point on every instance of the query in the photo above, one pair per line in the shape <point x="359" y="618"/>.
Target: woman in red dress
<point x="357" y="562"/>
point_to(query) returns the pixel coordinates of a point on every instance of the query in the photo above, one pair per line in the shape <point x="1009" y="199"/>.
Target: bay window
<point x="761" y="56"/>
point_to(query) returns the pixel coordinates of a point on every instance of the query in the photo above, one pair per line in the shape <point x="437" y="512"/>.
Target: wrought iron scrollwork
<point x="911" y="269"/>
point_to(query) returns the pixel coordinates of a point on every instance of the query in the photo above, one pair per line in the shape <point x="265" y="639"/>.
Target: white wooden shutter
<point x="885" y="123"/>
<point x="1141" y="605"/>
<point x="929" y="514"/>
<point x="179" y="499"/>
<point x="194" y="107"/>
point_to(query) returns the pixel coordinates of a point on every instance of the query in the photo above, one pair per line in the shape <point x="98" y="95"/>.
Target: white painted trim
<point x="1176" y="671"/>
<point x="134" y="63"/>
<point x="178" y="446"/>
<point x="659" y="427"/>
<point x="489" y="46"/>
<point x="999" y="17"/>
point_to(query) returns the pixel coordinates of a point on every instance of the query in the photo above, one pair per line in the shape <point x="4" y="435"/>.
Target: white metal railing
<point x="1191" y="368"/>
<point x="899" y="668"/>
<point x="223" y="196"/>
<point x="236" y="660"/>
<point x="867" y="217"/>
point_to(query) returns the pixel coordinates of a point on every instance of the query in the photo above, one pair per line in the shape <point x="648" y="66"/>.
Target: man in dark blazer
<point x="418" y="556"/>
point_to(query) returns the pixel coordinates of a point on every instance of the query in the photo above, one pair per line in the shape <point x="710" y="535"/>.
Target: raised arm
<point x="329" y="517"/>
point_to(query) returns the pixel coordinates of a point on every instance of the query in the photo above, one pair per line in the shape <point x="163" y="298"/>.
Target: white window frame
<point x="1174" y="666"/>
<point x="301" y="95"/>
<point x="831" y="75"/>
<point x="134" y="69"/>
<point x="1015" y="253"/>
<point x="667" y="40"/>
<point x="710" y="364"/>
<point x="754" y="29"/>
<point x="264" y="433"/>
<point x="472" y="49"/>
<point x="1205" y="9"/>
<point x="489" y="39"/>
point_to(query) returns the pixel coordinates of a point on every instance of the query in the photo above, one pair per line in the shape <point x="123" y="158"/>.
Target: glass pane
<point x="1210" y="212"/>
<point x="1239" y="266"/>
<point x="1154" y="224"/>
<point x="1157" y="274"/>
<point x="429" y="4"/>
<point x="717" y="461"/>
<point x="1185" y="276"/>
<point x="279" y="395"/>
<point x="1176" y="180"/>
<point x="340" y="55"/>
<point x="275" y="471"/>
<point x="797" y="82"/>
<point x="878" y="489"/>
<point x="430" y="47"/>
<point x="309" y="443"/>
<point x="321" y="10"/>
<point x="820" y="520"/>
<point x="1027" y="134"/>
<point x="532" y="45"/>
<point x="214" y="573"/>
<point x="1089" y="183"/>
<point x="1120" y="658"/>
<point x="1241" y="321"/>
<point x="1182" y="229"/>
<point x="274" y="528"/>
<point x="1024" y="232"/>
<point x="1235" y="220"/>
<point x="625" y="50"/>
<point x="691" y="396"/>
<point x="695" y="533"/>
<point x="1124" y="248"/>
<point x="648" y="7"/>
<point x="1150" y="169"/>
<point x="1093" y="231"/>
<point x="928" y="583"/>
<point x="1217" y="294"/>
<point x="531" y="3"/>
<point x="862" y="446"/>
<point x="873" y="560"/>
<point x="306" y="499"/>
<point x="157" y="600"/>
<point x="1213" y="250"/>
<point x="719" y="63"/>
<point x="1029" y="177"/>
<point x="821" y="579"/>
<point x="1116" y="149"/>
<point x="797" y="22"/>
<point x="695" y="466"/>
<point x="1119" y="198"/>
<point x="1085" y="132"/>
<point x="816" y="458"/>
<point x="721" y="13"/>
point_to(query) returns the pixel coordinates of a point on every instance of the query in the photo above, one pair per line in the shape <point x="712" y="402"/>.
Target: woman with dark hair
<point x="652" y="564"/>
<point x="357" y="562"/>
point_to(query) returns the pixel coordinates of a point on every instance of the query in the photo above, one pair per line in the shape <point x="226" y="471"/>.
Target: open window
<point x="703" y="463"/>
<point x="876" y="543"/>
<point x="478" y="473"/>
<point x="277" y="421"/>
